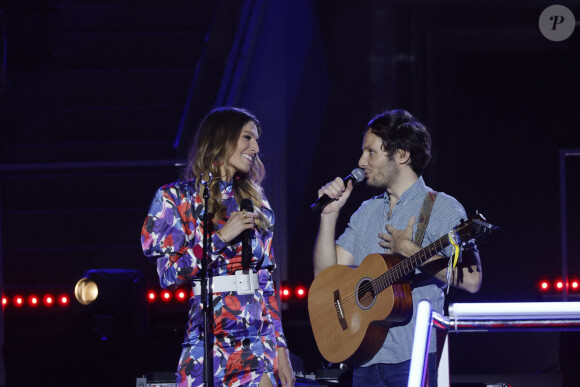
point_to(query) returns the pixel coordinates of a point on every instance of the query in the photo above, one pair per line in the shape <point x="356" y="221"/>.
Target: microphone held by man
<point x="356" y="176"/>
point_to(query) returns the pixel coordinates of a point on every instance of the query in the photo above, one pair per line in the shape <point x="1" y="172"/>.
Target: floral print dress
<point x="246" y="328"/>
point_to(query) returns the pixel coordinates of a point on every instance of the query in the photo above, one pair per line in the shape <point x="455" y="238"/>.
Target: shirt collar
<point x="226" y="188"/>
<point x="415" y="189"/>
<point x="224" y="185"/>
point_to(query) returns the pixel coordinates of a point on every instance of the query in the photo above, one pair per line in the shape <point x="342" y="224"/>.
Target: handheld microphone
<point x="356" y="176"/>
<point x="247" y="205"/>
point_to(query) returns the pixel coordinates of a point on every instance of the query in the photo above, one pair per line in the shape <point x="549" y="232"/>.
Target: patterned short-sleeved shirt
<point x="361" y="239"/>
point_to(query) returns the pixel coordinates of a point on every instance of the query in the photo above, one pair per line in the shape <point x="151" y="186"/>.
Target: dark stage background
<point x="99" y="100"/>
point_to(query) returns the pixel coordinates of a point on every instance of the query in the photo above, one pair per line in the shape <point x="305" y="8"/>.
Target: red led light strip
<point x="547" y="286"/>
<point x="35" y="301"/>
<point x="182" y="295"/>
<point x="49" y="300"/>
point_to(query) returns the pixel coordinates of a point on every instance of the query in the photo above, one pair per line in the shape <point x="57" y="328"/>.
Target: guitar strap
<point x="424" y="216"/>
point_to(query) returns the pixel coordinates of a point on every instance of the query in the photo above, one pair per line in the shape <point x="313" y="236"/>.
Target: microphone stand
<point x="205" y="294"/>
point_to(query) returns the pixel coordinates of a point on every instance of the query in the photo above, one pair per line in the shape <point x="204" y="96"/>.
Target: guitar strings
<point x="392" y="275"/>
<point x="385" y="279"/>
<point x="395" y="273"/>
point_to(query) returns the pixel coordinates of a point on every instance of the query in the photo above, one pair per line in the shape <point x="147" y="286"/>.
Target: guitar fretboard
<point x="406" y="266"/>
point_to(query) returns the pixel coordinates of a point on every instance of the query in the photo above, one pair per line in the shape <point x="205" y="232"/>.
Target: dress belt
<point x="239" y="282"/>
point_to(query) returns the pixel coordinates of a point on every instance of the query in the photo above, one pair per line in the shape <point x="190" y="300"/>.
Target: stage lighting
<point x="107" y="285"/>
<point x="48" y="300"/>
<point x="166" y="295"/>
<point x="116" y="303"/>
<point x="86" y="291"/>
<point x="33" y="300"/>
<point x="18" y="301"/>
<point x="181" y="295"/>
<point x="111" y="324"/>
<point x="64" y="300"/>
<point x="301" y="292"/>
<point x="515" y="310"/>
<point x="284" y="293"/>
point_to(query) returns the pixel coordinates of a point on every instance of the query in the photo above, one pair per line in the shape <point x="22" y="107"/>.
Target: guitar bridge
<point x="339" y="311"/>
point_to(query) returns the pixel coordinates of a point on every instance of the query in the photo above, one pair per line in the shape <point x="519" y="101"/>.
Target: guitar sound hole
<point x="365" y="294"/>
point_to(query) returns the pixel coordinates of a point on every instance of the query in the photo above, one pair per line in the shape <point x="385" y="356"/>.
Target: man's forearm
<point x="467" y="275"/>
<point x="324" y="247"/>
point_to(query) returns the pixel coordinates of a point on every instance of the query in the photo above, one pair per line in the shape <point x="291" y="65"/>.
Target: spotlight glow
<point x="32" y="300"/>
<point x="165" y="295"/>
<point x="301" y="292"/>
<point x="284" y="292"/>
<point x="86" y="291"/>
<point x="48" y="300"/>
<point x="181" y="295"/>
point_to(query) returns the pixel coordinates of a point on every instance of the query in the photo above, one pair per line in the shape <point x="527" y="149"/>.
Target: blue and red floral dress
<point x="246" y="328"/>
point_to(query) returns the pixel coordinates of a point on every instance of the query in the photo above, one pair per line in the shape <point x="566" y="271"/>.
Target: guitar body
<point x="350" y="322"/>
<point x="351" y="310"/>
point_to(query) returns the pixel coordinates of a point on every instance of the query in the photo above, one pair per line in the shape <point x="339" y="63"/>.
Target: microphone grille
<point x="358" y="174"/>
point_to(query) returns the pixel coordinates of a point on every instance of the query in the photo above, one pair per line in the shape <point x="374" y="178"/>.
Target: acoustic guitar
<point x="351" y="309"/>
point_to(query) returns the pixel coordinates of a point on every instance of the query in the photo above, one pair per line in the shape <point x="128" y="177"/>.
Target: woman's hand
<point x="285" y="371"/>
<point x="238" y="222"/>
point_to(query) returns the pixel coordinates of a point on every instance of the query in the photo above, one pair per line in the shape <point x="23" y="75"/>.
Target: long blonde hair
<point x="213" y="145"/>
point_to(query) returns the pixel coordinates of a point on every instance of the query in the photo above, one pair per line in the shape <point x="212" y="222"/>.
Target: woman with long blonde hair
<point x="249" y="347"/>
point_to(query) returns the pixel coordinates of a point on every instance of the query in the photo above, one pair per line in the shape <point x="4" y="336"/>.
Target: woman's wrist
<point x="219" y="233"/>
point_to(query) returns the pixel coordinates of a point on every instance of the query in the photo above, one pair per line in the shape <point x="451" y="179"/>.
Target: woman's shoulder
<point x="180" y="185"/>
<point x="265" y="203"/>
<point x="178" y="189"/>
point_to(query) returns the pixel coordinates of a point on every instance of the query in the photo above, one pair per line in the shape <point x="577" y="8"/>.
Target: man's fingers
<point x="336" y="188"/>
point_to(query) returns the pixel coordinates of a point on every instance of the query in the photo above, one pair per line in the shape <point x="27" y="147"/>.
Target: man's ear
<point x="403" y="156"/>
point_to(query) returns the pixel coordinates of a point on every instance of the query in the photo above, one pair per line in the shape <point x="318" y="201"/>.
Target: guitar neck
<point x="407" y="266"/>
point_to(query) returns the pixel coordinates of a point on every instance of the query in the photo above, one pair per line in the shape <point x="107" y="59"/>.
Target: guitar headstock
<point x="473" y="228"/>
